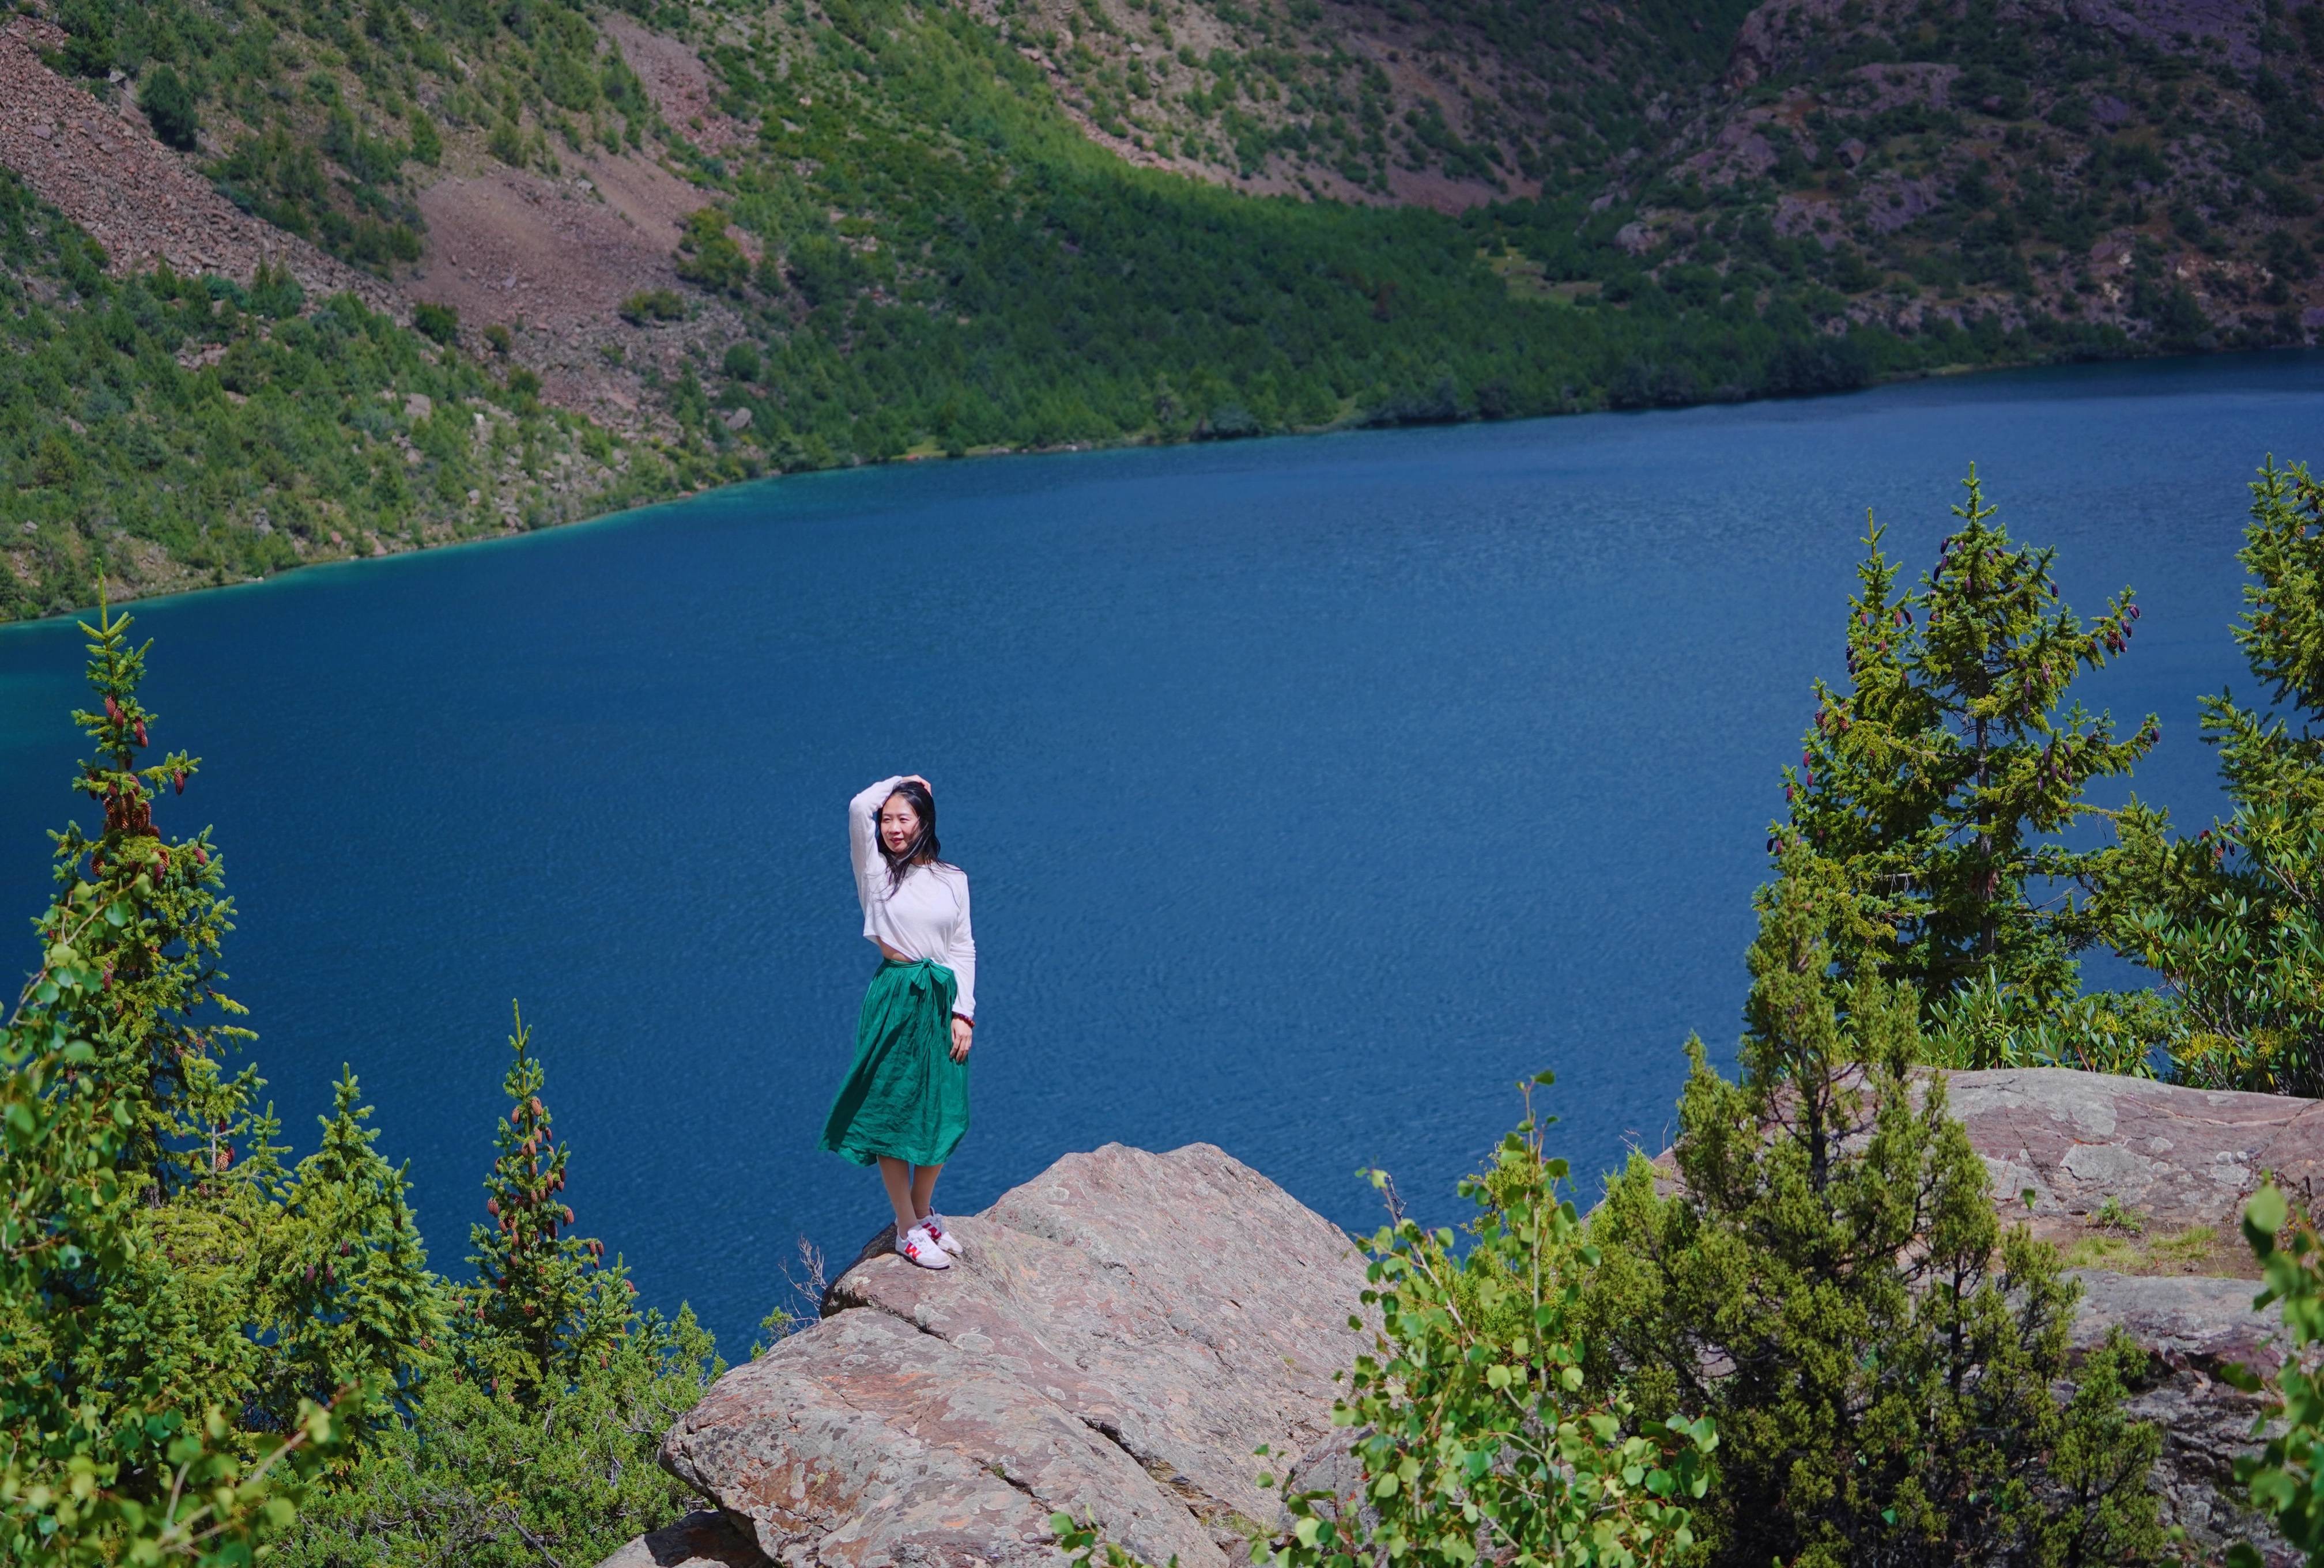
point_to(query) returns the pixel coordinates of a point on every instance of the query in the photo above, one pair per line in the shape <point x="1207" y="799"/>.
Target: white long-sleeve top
<point x="925" y="915"/>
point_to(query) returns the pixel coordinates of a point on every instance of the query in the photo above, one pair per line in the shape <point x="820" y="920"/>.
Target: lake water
<point x="1313" y="790"/>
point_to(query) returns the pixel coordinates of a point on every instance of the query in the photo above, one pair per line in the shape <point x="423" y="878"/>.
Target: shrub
<point x="437" y="323"/>
<point x="1476" y="1434"/>
<point x="742" y="362"/>
<point x="497" y="338"/>
<point x="506" y="143"/>
<point x="427" y="142"/>
<point x="1831" y="1287"/>
<point x="708" y="255"/>
<point x="2286" y="1478"/>
<point x="823" y="270"/>
<point x="651" y="305"/>
<point x="169" y="104"/>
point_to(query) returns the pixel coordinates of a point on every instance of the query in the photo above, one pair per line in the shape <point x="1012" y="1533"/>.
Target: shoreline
<point x="1345" y="426"/>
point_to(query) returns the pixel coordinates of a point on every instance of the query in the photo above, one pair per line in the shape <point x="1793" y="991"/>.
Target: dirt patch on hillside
<point x="554" y="259"/>
<point x="512" y="246"/>
<point x="684" y="91"/>
<point x="100" y="164"/>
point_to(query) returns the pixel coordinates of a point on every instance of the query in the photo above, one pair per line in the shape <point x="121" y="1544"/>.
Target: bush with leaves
<point x="1475" y="1435"/>
<point x="2286" y="1477"/>
<point x="2231" y="918"/>
<point x="1829" y="1284"/>
<point x="169" y="104"/>
<point x="708" y="255"/>
<point x="1942" y="777"/>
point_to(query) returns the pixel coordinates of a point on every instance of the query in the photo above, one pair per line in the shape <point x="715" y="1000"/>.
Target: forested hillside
<point x="623" y="250"/>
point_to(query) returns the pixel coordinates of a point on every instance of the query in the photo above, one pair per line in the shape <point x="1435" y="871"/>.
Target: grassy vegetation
<point x="179" y="431"/>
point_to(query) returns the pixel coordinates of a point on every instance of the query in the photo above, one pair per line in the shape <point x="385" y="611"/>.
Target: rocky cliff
<point x="1127" y="1327"/>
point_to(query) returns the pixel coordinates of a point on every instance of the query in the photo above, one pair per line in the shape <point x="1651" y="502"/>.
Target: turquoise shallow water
<point x="1313" y="790"/>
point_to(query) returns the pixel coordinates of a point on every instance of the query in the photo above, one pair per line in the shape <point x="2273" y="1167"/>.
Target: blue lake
<point x="1313" y="790"/>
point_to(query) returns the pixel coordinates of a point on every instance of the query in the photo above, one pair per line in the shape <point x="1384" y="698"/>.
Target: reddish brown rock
<point x="699" y="1540"/>
<point x="866" y="1440"/>
<point x="1122" y="1332"/>
<point x="2176" y="1158"/>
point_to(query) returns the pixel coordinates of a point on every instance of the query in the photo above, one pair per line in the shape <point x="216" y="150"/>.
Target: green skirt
<point x="904" y="1096"/>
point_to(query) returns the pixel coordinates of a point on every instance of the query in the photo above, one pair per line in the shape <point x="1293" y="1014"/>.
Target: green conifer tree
<point x="1830" y="1286"/>
<point x="545" y="1303"/>
<point x="1941" y="777"/>
<point x="169" y="104"/>
<point x="149" y="915"/>
<point x="2233" y="918"/>
<point x="122" y="1408"/>
<point x="344" y="1279"/>
<point x="535" y="1442"/>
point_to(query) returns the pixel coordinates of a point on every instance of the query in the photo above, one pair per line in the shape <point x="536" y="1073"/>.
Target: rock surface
<point x="700" y="1540"/>
<point x="2178" y="1163"/>
<point x="2192" y="1327"/>
<point x="1122" y="1332"/>
<point x="2173" y="1159"/>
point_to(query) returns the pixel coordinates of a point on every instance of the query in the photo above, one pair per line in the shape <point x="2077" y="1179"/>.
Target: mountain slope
<point x="2148" y="164"/>
<point x="655" y="245"/>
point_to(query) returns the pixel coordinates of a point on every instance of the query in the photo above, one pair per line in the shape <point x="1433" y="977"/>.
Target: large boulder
<point x="1122" y="1332"/>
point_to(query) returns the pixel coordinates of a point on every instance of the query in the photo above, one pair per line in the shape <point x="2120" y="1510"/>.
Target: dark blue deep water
<point x="1313" y="790"/>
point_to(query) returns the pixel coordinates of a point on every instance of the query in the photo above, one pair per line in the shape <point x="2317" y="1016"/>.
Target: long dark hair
<point x="924" y="850"/>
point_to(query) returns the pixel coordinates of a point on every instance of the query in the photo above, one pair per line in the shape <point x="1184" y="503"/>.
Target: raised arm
<point x="863" y="837"/>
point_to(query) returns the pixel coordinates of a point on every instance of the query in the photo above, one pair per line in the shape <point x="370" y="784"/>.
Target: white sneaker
<point x="935" y="1226"/>
<point x="921" y="1247"/>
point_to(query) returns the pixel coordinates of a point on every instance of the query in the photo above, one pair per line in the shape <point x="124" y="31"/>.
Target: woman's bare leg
<point x="924" y="1189"/>
<point x="897" y="1177"/>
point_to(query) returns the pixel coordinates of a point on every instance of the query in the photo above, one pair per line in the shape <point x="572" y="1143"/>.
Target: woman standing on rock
<point x="905" y="1101"/>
